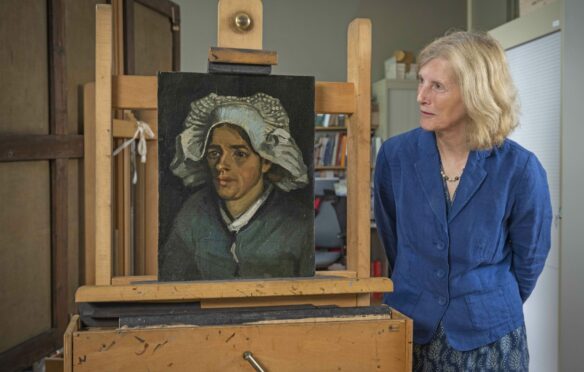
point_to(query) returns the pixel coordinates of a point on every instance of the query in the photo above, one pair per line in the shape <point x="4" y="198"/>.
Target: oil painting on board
<point x="235" y="176"/>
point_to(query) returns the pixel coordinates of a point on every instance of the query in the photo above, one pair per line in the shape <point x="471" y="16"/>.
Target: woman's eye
<point x="213" y="154"/>
<point x="240" y="154"/>
<point x="438" y="86"/>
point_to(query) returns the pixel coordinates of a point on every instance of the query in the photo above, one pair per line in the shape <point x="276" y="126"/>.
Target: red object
<point x="376" y="272"/>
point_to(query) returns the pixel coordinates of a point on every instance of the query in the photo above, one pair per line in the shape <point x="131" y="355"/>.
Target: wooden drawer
<point x="364" y="343"/>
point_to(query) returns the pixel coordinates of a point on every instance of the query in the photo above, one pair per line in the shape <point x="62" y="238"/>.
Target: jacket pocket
<point x="488" y="310"/>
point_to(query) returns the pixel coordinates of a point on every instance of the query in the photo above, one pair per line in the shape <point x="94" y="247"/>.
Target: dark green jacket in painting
<point x="278" y="241"/>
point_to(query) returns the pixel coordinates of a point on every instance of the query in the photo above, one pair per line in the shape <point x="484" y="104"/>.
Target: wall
<point x="572" y="234"/>
<point x="311" y="36"/>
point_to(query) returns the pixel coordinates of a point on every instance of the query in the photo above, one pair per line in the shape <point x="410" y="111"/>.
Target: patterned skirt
<point x="509" y="353"/>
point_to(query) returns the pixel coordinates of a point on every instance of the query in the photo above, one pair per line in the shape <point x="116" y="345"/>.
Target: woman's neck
<point x="452" y="146"/>
<point x="237" y="207"/>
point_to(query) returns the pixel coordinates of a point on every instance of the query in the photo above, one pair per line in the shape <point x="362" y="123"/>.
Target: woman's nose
<point x="224" y="162"/>
<point x="422" y="96"/>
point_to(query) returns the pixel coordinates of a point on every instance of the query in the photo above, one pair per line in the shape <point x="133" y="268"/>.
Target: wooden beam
<point x="33" y="349"/>
<point x="193" y="291"/>
<point x="342" y="300"/>
<point x="88" y="249"/>
<point x="127" y="128"/>
<point x="334" y="97"/>
<point x="135" y="92"/>
<point x="140" y="92"/>
<point x="58" y="123"/>
<point x="103" y="145"/>
<point x="40" y="147"/>
<point x="230" y="36"/>
<point x="243" y="56"/>
<point x="68" y="343"/>
<point x="126" y="280"/>
<point x="359" y="148"/>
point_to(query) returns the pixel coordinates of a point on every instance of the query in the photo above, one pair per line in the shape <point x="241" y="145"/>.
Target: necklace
<point x="448" y="179"/>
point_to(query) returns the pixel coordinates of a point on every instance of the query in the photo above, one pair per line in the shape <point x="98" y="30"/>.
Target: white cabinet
<point x="398" y="109"/>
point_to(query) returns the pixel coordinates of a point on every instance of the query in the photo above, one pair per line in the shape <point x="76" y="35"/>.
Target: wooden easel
<point x="342" y="288"/>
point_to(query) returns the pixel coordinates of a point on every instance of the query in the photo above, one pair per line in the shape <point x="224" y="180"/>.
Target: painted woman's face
<point x="236" y="168"/>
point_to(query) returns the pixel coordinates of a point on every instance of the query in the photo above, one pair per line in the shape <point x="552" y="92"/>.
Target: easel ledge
<point x="209" y="290"/>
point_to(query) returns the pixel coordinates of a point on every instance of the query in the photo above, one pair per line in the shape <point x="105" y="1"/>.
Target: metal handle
<point x="254" y="363"/>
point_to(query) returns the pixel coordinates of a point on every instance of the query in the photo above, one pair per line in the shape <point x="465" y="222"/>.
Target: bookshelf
<point x="330" y="152"/>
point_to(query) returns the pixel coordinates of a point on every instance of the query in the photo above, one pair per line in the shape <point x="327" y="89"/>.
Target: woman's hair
<point x="266" y="125"/>
<point x="488" y="93"/>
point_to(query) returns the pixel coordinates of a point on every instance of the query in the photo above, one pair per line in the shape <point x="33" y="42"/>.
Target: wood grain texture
<point x="228" y="35"/>
<point x="342" y="300"/>
<point x="123" y="128"/>
<point x="358" y="148"/>
<point x="125" y="280"/>
<point x="88" y="250"/>
<point x="68" y="343"/>
<point x="40" y="147"/>
<point x="135" y="92"/>
<point x="334" y="97"/>
<point x="103" y="145"/>
<point x="243" y="56"/>
<point x="192" y="291"/>
<point x="352" y="344"/>
<point x="151" y="201"/>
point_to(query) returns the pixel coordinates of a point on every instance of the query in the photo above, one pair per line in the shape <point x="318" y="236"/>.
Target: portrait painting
<point x="235" y="176"/>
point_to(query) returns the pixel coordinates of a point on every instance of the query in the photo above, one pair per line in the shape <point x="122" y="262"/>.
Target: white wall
<point x="572" y="234"/>
<point x="310" y="36"/>
<point x="535" y="69"/>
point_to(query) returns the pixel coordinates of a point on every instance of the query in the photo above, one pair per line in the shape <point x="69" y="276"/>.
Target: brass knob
<point x="242" y="21"/>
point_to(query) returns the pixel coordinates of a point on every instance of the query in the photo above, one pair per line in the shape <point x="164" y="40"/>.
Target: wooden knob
<point x="242" y="21"/>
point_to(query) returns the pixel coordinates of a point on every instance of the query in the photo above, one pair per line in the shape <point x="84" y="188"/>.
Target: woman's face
<point x="439" y="97"/>
<point x="236" y="169"/>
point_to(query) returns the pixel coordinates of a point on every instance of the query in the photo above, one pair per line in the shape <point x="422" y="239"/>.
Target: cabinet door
<point x="398" y="109"/>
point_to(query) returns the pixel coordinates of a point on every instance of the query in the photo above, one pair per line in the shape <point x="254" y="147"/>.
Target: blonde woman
<point x="463" y="212"/>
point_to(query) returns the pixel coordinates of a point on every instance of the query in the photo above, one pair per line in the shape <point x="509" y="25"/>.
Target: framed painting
<point x="235" y="176"/>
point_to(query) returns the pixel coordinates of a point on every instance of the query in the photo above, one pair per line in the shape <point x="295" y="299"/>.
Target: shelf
<point x="330" y="129"/>
<point x="328" y="168"/>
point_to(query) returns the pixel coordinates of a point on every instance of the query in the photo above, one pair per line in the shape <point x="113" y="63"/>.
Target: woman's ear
<point x="266" y="165"/>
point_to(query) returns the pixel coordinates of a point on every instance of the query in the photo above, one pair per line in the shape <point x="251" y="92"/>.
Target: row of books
<point x="330" y="150"/>
<point x="330" y="120"/>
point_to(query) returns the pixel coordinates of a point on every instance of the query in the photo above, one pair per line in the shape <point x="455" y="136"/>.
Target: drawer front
<point x="329" y="345"/>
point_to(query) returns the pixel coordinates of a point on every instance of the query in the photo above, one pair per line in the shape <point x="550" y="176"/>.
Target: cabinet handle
<point x="254" y="363"/>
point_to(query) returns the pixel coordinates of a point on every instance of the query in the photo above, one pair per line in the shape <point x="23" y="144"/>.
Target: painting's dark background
<point x="177" y="90"/>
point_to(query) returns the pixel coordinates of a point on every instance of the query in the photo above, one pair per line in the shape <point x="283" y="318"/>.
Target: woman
<point x="242" y="223"/>
<point x="464" y="213"/>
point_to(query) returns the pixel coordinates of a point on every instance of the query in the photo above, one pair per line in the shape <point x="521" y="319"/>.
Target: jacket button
<point x="440" y="273"/>
<point x="442" y="300"/>
<point x="440" y="246"/>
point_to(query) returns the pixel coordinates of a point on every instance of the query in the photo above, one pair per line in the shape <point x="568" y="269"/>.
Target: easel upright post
<point x="359" y="159"/>
<point x="103" y="145"/>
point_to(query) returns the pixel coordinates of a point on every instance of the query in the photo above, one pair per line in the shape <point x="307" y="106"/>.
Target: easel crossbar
<point x="140" y="92"/>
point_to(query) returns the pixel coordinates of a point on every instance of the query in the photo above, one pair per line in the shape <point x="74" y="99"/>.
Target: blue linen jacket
<point x="473" y="268"/>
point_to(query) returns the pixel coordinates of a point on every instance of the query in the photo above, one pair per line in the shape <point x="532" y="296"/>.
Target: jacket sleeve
<point x="530" y="226"/>
<point x="384" y="207"/>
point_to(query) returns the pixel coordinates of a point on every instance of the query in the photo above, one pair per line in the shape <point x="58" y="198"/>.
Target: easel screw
<point x="242" y="21"/>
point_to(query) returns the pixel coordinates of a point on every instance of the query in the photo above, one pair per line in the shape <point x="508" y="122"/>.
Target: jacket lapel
<point x="427" y="169"/>
<point x="473" y="176"/>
